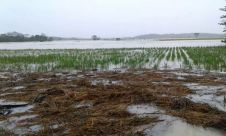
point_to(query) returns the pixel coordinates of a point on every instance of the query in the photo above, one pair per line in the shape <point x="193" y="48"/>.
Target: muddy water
<point x="169" y="126"/>
<point x="208" y="94"/>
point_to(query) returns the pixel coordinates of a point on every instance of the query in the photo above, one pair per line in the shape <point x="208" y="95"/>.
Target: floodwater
<point x="208" y="94"/>
<point x="14" y="110"/>
<point x="19" y="125"/>
<point x="105" y="82"/>
<point x="13" y="123"/>
<point x="168" y="126"/>
<point x="88" y="44"/>
<point x="172" y="126"/>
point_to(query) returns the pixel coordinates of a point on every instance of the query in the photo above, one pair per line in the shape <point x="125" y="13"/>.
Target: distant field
<point x="193" y="58"/>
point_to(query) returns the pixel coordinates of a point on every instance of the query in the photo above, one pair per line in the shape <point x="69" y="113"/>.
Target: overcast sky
<point x="110" y="18"/>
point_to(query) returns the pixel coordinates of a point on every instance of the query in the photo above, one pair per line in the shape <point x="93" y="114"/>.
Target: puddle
<point x="59" y="74"/>
<point x="18" y="87"/>
<point x="21" y="109"/>
<point x="186" y="74"/>
<point x="35" y="128"/>
<point x="168" y="126"/>
<point x="161" y="83"/>
<point x="114" y="68"/>
<point x="5" y="89"/>
<point x="171" y="126"/>
<point x="181" y="78"/>
<point x="208" y="94"/>
<point x="139" y="73"/>
<point x="143" y="110"/>
<point x="12" y="107"/>
<point x="84" y="105"/>
<point x="45" y="79"/>
<point x="71" y="77"/>
<point x="20" y="125"/>
<point x="105" y="82"/>
<point x="5" y="102"/>
<point x="29" y="130"/>
<point x="55" y="126"/>
<point x="205" y="89"/>
<point x="5" y="94"/>
<point x="3" y="77"/>
<point x="80" y="76"/>
<point x="170" y="65"/>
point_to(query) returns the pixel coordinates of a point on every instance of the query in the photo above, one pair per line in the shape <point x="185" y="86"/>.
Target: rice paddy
<point x="192" y="58"/>
<point x="45" y="91"/>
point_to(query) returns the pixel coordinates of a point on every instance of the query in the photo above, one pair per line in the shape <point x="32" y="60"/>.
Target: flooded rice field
<point x="178" y="89"/>
<point x="209" y="59"/>
<point x="118" y="102"/>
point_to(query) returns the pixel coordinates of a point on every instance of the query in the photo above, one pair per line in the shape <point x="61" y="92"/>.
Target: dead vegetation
<point x="76" y="107"/>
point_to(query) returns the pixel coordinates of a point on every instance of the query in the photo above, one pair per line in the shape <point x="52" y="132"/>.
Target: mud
<point x="99" y="103"/>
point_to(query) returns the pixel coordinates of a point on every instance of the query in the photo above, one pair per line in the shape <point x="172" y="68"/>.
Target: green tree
<point x="22" y="38"/>
<point x="94" y="37"/>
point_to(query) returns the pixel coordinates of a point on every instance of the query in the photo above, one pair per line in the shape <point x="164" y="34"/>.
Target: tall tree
<point x="223" y="20"/>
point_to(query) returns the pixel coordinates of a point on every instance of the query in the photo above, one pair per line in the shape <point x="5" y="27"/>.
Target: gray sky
<point x="110" y="18"/>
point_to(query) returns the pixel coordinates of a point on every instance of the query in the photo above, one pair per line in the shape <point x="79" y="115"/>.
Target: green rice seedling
<point x="178" y="54"/>
<point x="184" y="57"/>
<point x="173" y="56"/>
<point x="207" y="58"/>
<point x="210" y="58"/>
<point x="169" y="54"/>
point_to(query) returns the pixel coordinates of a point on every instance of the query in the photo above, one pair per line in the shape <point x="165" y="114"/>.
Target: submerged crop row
<point x="206" y="58"/>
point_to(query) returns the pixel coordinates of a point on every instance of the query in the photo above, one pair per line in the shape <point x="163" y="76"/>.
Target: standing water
<point x="168" y="125"/>
<point x="88" y="44"/>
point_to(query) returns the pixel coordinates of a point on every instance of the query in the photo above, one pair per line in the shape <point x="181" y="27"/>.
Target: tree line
<point x="22" y="38"/>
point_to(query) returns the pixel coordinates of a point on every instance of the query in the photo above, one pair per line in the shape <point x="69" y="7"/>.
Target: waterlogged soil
<point x="168" y="125"/>
<point x="112" y="103"/>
